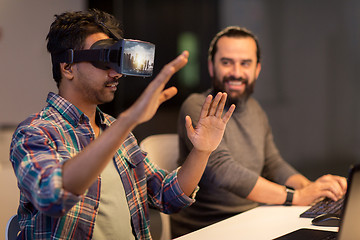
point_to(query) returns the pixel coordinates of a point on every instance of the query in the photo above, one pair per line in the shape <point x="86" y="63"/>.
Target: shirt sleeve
<point x="275" y="168"/>
<point x="38" y="168"/>
<point x="224" y="172"/>
<point x="164" y="190"/>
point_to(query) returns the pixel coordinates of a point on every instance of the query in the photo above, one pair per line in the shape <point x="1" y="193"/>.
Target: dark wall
<point x="309" y="80"/>
<point x="163" y="23"/>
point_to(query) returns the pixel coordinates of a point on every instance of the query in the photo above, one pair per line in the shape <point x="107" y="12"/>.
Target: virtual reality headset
<point x="125" y="56"/>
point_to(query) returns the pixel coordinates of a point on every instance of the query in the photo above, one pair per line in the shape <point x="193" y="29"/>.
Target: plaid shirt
<point x="43" y="142"/>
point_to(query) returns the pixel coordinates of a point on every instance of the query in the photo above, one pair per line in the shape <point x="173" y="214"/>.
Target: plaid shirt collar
<point x="71" y="113"/>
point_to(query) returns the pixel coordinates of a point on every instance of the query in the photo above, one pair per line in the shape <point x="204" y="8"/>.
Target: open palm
<point x="209" y="131"/>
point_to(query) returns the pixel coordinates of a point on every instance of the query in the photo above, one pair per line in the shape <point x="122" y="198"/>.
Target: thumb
<point x="189" y="127"/>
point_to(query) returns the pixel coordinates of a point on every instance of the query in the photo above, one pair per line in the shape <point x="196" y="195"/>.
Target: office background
<point x="308" y="85"/>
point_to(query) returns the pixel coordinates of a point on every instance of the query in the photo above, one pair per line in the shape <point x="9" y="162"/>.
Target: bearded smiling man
<point x="237" y="67"/>
<point x="246" y="168"/>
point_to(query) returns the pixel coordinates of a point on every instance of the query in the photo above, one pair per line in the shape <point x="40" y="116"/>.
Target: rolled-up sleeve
<point x="164" y="190"/>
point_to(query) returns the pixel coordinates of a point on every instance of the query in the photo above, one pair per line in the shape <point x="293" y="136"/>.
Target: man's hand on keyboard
<point x="331" y="186"/>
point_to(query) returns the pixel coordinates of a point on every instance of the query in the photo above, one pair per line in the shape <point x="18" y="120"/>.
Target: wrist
<point x="201" y="152"/>
<point x="126" y="120"/>
<point x="289" y="196"/>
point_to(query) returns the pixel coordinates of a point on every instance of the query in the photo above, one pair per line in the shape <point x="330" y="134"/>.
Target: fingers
<point x="155" y="94"/>
<point x="334" y="190"/>
<point x="180" y="61"/>
<point x="228" y="114"/>
<point x="329" y="194"/>
<point x="340" y="185"/>
<point x="335" y="184"/>
<point x="205" y="107"/>
<point x="215" y="107"/>
<point x="331" y="186"/>
<point x="167" y="94"/>
<point x="342" y="182"/>
<point x="189" y="127"/>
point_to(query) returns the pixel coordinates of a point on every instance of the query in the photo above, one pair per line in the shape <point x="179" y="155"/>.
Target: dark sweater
<point x="246" y="152"/>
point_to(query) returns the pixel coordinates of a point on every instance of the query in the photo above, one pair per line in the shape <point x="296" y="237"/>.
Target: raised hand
<point x="209" y="131"/>
<point x="147" y="104"/>
<point x="205" y="138"/>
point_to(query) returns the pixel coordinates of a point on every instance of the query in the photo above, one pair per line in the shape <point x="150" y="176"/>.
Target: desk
<point x="261" y="223"/>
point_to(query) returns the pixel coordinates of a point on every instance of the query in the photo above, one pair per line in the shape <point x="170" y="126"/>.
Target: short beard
<point x="240" y="100"/>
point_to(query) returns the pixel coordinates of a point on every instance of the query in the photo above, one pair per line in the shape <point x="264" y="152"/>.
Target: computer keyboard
<point x="324" y="206"/>
<point x="332" y="236"/>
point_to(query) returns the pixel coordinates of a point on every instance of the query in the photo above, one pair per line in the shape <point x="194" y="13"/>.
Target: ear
<point x="211" y="68"/>
<point x="66" y="70"/>
<point x="257" y="70"/>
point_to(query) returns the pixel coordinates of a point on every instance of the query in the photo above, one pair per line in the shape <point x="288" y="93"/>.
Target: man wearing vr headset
<point x="80" y="172"/>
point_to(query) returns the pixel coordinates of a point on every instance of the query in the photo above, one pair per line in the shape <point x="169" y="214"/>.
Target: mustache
<point x="232" y="78"/>
<point x="112" y="81"/>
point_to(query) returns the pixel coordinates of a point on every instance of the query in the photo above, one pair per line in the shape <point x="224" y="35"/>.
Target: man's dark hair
<point x="70" y="29"/>
<point x="232" y="31"/>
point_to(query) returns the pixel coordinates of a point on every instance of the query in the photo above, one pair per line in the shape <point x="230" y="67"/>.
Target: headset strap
<point x="75" y="56"/>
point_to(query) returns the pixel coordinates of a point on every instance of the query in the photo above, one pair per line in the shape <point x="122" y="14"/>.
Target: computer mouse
<point x="327" y="220"/>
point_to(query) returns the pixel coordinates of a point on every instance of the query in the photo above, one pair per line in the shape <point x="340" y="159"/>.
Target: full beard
<point x="240" y="99"/>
